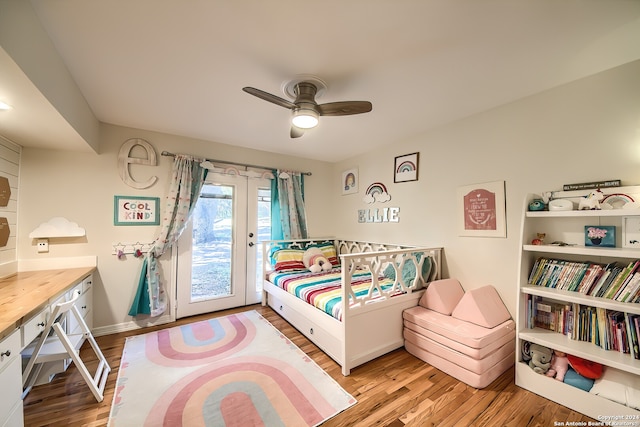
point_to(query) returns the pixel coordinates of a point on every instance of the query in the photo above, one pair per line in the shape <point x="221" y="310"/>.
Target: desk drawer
<point x="301" y="321"/>
<point x="9" y="350"/>
<point x="10" y="379"/>
<point x="32" y="328"/>
<point x="87" y="283"/>
<point x="76" y="290"/>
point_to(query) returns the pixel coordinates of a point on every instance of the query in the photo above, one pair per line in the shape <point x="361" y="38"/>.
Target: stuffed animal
<point x="540" y="358"/>
<point x="559" y="365"/>
<point x="591" y="201"/>
<point x="315" y="261"/>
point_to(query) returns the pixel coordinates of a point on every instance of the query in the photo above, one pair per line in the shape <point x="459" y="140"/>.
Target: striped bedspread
<point x="322" y="290"/>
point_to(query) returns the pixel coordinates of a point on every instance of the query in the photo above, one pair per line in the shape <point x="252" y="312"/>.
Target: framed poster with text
<point x="481" y="210"/>
<point x="136" y="210"/>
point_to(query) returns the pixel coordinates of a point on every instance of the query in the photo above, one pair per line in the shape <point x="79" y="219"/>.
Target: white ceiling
<point x="178" y="66"/>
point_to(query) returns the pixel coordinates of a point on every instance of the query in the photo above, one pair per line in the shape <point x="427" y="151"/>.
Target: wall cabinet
<point x="569" y="227"/>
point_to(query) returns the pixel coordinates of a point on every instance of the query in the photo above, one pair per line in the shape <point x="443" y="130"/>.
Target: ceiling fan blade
<point x="344" y="108"/>
<point x="296" y="132"/>
<point x="269" y="97"/>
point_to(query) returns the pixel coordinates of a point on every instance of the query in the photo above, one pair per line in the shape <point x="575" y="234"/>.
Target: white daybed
<point x="371" y="324"/>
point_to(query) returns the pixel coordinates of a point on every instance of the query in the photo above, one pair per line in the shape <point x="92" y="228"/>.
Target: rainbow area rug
<point x="236" y="370"/>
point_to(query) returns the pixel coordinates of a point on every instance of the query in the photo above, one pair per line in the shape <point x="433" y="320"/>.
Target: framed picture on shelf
<point x="405" y="168"/>
<point x="350" y="181"/>
<point x="481" y="210"/>
<point x="603" y="236"/>
<point x="631" y="231"/>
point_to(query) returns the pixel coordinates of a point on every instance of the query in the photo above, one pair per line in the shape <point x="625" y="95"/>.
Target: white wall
<point x="82" y="186"/>
<point x="584" y="131"/>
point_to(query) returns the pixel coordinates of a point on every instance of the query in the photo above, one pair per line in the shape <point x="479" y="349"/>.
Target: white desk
<point x="25" y="299"/>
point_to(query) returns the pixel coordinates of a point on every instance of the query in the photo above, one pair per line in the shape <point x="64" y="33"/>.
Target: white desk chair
<point x="59" y="346"/>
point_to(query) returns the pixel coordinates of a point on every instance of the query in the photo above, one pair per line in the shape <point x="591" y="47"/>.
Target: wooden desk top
<point x="25" y="293"/>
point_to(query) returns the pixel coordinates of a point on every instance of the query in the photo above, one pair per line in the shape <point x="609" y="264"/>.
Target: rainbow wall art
<point x="376" y="192"/>
<point x="406" y="168"/>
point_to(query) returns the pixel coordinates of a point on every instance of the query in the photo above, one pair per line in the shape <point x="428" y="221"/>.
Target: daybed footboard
<point x="370" y="325"/>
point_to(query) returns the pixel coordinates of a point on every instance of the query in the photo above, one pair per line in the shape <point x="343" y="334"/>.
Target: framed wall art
<point x="131" y="210"/>
<point x="603" y="236"/>
<point x="481" y="210"/>
<point x="405" y="168"/>
<point x="350" y="181"/>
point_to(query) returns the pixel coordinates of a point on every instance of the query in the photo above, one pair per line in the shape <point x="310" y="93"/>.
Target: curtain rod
<point x="168" y="154"/>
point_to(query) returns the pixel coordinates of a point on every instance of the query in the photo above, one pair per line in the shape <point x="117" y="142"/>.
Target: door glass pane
<point x="212" y="243"/>
<point x="264" y="230"/>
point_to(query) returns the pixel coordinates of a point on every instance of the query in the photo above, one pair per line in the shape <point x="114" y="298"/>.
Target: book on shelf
<point x="613" y="281"/>
<point x="609" y="329"/>
<point x="636" y="328"/>
<point x="616" y="269"/>
<point x="586" y="325"/>
<point x="632" y="334"/>
<point x="629" y="288"/>
<point x="617" y="325"/>
<point x="553" y="316"/>
<point x="592" y="276"/>
<point x="592" y="185"/>
<point x="602" y="279"/>
<point x="603" y="336"/>
<point x="621" y="279"/>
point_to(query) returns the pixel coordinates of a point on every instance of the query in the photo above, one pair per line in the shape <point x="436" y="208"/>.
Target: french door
<point x="219" y="263"/>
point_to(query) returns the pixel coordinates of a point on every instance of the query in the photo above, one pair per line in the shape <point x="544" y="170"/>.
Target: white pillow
<point x="619" y="386"/>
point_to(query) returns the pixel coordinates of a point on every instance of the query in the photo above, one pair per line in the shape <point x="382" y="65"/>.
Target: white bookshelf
<point x="568" y="227"/>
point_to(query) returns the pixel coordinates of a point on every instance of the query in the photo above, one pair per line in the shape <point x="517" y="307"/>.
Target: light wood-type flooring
<point x="394" y="390"/>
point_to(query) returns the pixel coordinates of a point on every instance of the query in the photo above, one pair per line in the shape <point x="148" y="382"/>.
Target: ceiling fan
<point x="305" y="109"/>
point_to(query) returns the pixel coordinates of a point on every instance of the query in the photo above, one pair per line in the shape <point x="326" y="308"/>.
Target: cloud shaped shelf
<point x="57" y="227"/>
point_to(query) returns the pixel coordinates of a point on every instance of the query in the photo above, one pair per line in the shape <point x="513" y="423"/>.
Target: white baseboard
<point x="131" y="326"/>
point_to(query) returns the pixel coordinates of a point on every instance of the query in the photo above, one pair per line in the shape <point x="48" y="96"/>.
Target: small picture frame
<point x="405" y="168"/>
<point x="631" y="231"/>
<point x="602" y="236"/>
<point x="349" y="181"/>
<point x="132" y="210"/>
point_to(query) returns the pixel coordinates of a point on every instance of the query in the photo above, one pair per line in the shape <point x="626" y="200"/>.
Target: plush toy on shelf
<point x="539" y="240"/>
<point x="559" y="365"/>
<point x="591" y="201"/>
<point x="315" y="260"/>
<point x="540" y="358"/>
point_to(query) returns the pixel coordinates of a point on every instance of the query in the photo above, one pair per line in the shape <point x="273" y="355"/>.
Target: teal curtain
<point x="276" y="225"/>
<point x="289" y="217"/>
<point x="184" y="190"/>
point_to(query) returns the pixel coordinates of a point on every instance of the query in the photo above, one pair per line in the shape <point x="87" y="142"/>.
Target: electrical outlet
<point x="43" y="245"/>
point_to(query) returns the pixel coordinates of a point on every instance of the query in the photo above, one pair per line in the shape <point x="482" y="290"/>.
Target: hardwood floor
<point x="395" y="390"/>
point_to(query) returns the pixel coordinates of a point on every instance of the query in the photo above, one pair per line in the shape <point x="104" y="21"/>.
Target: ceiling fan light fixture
<point x="304" y="118"/>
